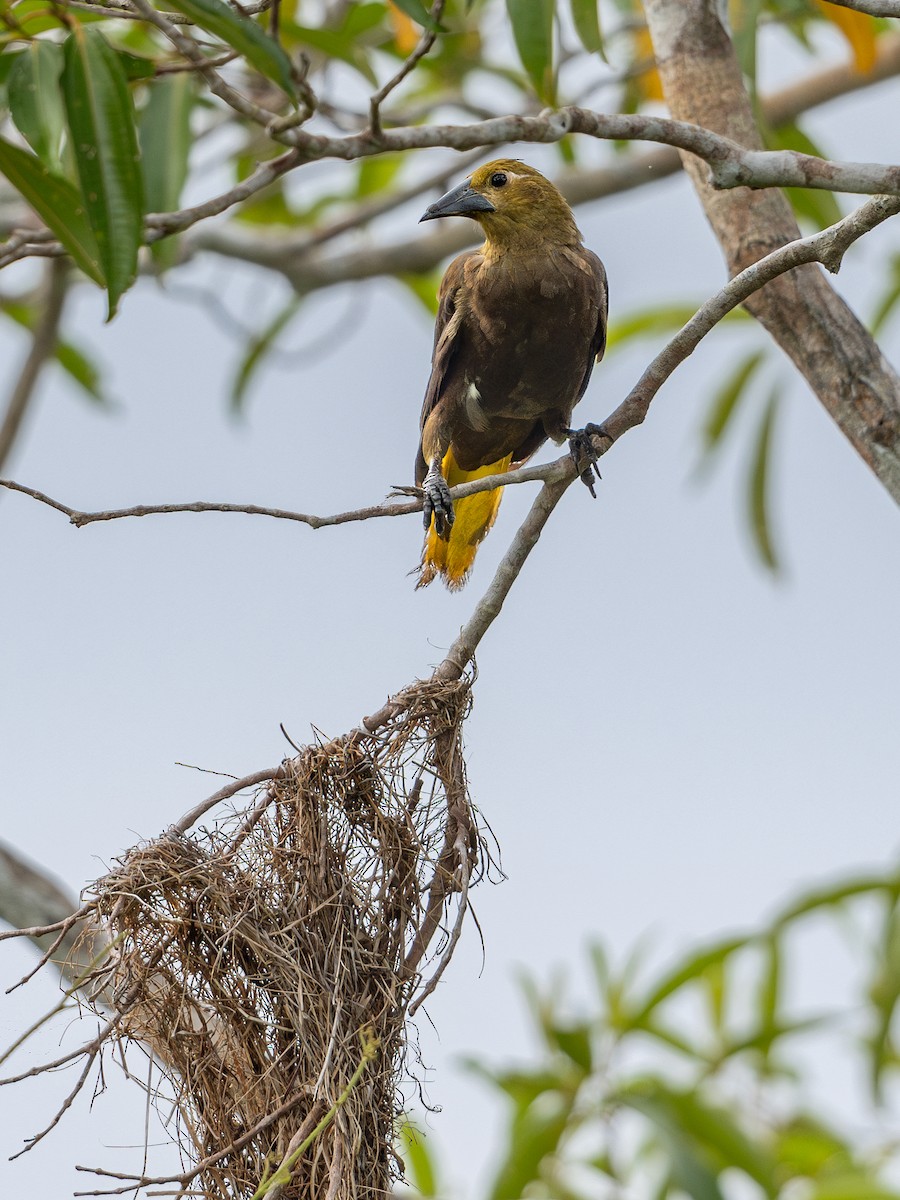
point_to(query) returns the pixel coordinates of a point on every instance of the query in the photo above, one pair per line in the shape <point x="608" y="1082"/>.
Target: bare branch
<point x="703" y="83"/>
<point x="192" y="52"/>
<point x="827" y="247"/>
<point x="875" y="8"/>
<point x="426" y="41"/>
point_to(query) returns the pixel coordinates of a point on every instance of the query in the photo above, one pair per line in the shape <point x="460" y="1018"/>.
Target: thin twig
<point x="231" y="789"/>
<point x="426" y="41"/>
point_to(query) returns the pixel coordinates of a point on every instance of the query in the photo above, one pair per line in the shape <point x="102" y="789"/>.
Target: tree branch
<point x="840" y="360"/>
<point x="875" y="8"/>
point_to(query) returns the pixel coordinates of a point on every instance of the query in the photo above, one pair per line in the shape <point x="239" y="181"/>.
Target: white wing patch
<point x="475" y="414"/>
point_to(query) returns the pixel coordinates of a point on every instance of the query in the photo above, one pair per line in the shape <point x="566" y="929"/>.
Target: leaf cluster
<point x="687" y="1082"/>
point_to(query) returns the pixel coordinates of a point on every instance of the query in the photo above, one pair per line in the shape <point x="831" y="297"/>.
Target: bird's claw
<point x="437" y="503"/>
<point x="585" y="457"/>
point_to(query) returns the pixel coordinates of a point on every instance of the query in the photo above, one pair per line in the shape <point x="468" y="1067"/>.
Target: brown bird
<point x="520" y="323"/>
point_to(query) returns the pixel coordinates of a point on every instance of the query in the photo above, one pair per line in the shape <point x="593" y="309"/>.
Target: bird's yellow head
<point x="513" y="203"/>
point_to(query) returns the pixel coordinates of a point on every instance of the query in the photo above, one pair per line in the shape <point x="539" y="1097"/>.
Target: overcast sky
<point x="664" y="738"/>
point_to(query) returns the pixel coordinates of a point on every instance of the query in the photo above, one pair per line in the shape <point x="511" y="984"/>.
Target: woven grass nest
<point x="272" y="960"/>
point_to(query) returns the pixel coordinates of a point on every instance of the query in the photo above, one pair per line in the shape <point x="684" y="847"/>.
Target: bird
<point x="520" y="323"/>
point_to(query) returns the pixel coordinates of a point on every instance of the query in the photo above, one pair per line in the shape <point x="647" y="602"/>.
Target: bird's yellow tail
<point x="452" y="558"/>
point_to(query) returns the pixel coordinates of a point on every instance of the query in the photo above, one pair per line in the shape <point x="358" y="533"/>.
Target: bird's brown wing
<point x="598" y="346"/>
<point x="447" y="327"/>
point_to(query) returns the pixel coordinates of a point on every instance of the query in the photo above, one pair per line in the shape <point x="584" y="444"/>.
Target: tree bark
<point x="702" y="82"/>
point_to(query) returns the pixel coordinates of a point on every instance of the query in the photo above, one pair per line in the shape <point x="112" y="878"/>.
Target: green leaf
<point x="165" y="137"/>
<point x="376" y="173"/>
<point x="424" y="288"/>
<point x="35" y="100"/>
<point x="334" y="43"/>
<point x="104" y="140"/>
<point x="658" y="318"/>
<point x="575" y="1042"/>
<point x="417" y="1159"/>
<point x="243" y="35"/>
<point x="76" y="364"/>
<point x="726" y="400"/>
<point x="758" y="486"/>
<point x="830" y="897"/>
<point x="535" y="1134"/>
<point x="709" y="1134"/>
<point x="815" y="204"/>
<point x="532" y="26"/>
<point x="743" y="17"/>
<point x="889" y="298"/>
<point x="57" y="203"/>
<point x="419" y="13"/>
<point x="136" y="65"/>
<point x="855" y="1185"/>
<point x="256" y="350"/>
<point x="688" y="971"/>
<point x="586" y="17"/>
<point x="884" y="993"/>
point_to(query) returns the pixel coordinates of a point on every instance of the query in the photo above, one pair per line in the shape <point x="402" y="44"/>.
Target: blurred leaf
<point x="884" y="993"/>
<point x="35" y="100"/>
<point x="417" y="1159"/>
<point x="104" y="140"/>
<point x="535" y="1133"/>
<point x="686" y="1169"/>
<point x="889" y="297"/>
<point x="647" y="84"/>
<point x="575" y="1042"/>
<point x="859" y="30"/>
<point x="743" y="17"/>
<point x="136" y="65"/>
<point x="709" y="1135"/>
<point x="819" y="206"/>
<point x="165" y="136"/>
<point x="424" y="288"/>
<point x="334" y="44"/>
<point x="256" y="350"/>
<point x="758" y="481"/>
<point x="586" y="18"/>
<point x="769" y="994"/>
<point x="72" y="360"/>
<point x="805" y="1147"/>
<point x="656" y="319"/>
<point x="419" y="13"/>
<point x="688" y="971"/>
<point x="855" y="1186"/>
<point x="57" y="203"/>
<point x="532" y="26"/>
<point x="726" y="399"/>
<point x="376" y="173"/>
<point x="243" y="35"/>
<point x="714" y="983"/>
<point x="829" y="897"/>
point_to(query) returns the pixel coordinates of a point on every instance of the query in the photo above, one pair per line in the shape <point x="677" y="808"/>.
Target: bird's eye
<point x="498" y="179"/>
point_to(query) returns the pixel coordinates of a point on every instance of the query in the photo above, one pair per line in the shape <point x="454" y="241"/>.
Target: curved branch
<point x="827" y="247"/>
<point x="840" y="360"/>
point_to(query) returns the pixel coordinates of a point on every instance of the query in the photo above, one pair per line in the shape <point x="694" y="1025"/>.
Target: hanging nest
<point x="271" y="962"/>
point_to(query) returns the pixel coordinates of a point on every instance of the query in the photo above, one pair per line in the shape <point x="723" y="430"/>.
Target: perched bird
<point x="520" y="323"/>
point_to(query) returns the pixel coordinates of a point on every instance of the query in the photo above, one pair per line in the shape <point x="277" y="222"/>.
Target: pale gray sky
<point x="664" y="738"/>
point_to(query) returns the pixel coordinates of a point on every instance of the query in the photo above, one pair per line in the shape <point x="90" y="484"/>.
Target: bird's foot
<point x="585" y="457"/>
<point x="437" y="503"/>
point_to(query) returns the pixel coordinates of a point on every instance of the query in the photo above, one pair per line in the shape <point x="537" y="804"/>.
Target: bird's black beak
<point x="462" y="201"/>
